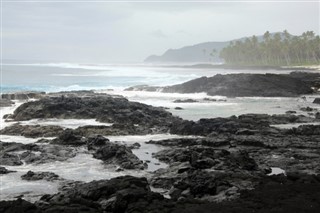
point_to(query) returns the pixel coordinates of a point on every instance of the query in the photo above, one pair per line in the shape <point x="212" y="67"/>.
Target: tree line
<point x="277" y="49"/>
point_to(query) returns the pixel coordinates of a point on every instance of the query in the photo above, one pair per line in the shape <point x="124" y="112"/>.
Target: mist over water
<point x="53" y="77"/>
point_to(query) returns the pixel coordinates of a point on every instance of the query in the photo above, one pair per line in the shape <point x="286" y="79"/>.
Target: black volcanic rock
<point x="185" y="101"/>
<point x="32" y="131"/>
<point x="68" y="137"/>
<point x="316" y="101"/>
<point x="10" y="159"/>
<point x="118" y="154"/>
<point x="243" y="124"/>
<point x="3" y="170"/>
<point x="121" y="194"/>
<point x="18" y="206"/>
<point x="242" y="85"/>
<point x="32" y="176"/>
<point x="104" y="108"/>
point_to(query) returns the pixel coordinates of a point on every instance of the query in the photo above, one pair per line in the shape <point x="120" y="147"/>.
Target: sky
<point x="129" y="31"/>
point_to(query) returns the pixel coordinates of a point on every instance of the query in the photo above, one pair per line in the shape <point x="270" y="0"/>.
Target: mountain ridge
<point x="197" y="53"/>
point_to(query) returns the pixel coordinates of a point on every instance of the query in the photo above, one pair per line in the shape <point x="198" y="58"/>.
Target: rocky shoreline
<point x="220" y="165"/>
<point x="245" y="85"/>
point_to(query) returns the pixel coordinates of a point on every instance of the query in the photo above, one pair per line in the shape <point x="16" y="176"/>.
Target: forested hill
<point x="278" y="49"/>
<point x="200" y="53"/>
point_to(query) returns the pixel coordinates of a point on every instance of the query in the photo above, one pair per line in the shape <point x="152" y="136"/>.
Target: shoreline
<point x="249" y="67"/>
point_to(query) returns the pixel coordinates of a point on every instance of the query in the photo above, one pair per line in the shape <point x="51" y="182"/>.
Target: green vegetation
<point x="277" y="50"/>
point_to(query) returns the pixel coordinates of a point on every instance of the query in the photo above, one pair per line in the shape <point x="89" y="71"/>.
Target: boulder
<point x="120" y="155"/>
<point x="316" y="101"/>
<point x="68" y="137"/>
<point x="3" y="170"/>
<point x="32" y="176"/>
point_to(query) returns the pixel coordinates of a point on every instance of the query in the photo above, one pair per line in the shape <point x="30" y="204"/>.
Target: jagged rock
<point x="135" y="146"/>
<point x="185" y="101"/>
<point x="32" y="176"/>
<point x="3" y="170"/>
<point x="18" y="206"/>
<point x="316" y="101"/>
<point x="10" y="159"/>
<point x="118" y="154"/>
<point x="32" y="131"/>
<point x="306" y="130"/>
<point x="104" y="108"/>
<point x="178" y="108"/>
<point x="68" y="137"/>
<point x="307" y="109"/>
<point x="241" y="85"/>
<point x="121" y="194"/>
<point x="95" y="142"/>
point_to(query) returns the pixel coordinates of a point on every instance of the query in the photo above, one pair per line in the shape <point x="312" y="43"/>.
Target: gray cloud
<point x="121" y="32"/>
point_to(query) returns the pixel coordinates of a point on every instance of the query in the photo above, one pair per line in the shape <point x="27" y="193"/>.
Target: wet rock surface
<point x="246" y="85"/>
<point x="104" y="108"/>
<point x="32" y="176"/>
<point x="291" y="193"/>
<point x="113" y="153"/>
<point x="3" y="170"/>
<point x="14" y="154"/>
<point x="32" y="131"/>
<point x="316" y="101"/>
<point x="243" y="124"/>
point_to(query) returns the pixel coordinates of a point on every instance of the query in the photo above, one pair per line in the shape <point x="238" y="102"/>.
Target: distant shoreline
<point x="242" y="67"/>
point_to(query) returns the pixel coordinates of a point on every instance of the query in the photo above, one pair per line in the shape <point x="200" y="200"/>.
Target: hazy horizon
<point x="119" y="32"/>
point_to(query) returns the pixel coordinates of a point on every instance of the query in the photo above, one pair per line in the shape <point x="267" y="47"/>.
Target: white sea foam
<point x="66" y="123"/>
<point x="292" y="125"/>
<point x="277" y="171"/>
<point x="8" y="110"/>
<point x="20" y="139"/>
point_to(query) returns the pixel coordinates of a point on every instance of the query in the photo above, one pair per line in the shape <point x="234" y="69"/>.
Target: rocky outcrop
<point x="113" y="153"/>
<point x="104" y="108"/>
<point x="18" y="205"/>
<point x="32" y="176"/>
<point x="68" y="137"/>
<point x="117" y="129"/>
<point x="242" y="85"/>
<point x="129" y="194"/>
<point x="243" y="124"/>
<point x="185" y="101"/>
<point x="3" y="170"/>
<point x="32" y="131"/>
<point x="316" y="101"/>
<point x="122" y="194"/>
<point x="14" y="153"/>
<point x="144" y="88"/>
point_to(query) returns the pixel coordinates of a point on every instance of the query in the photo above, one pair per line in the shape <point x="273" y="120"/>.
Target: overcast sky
<point x="106" y="32"/>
